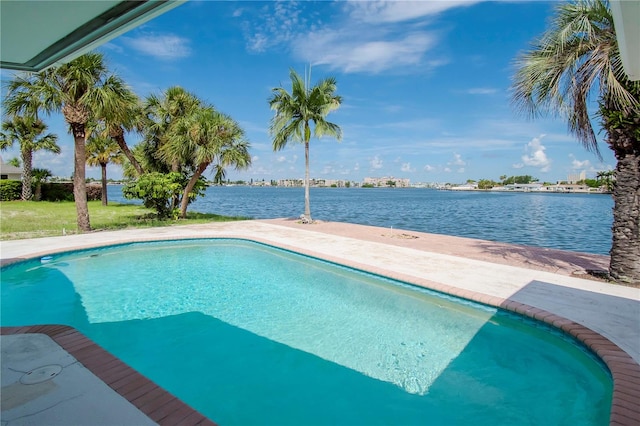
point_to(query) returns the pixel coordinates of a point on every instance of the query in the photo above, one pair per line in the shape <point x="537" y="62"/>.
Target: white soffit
<point x="35" y="34"/>
<point x="626" y="18"/>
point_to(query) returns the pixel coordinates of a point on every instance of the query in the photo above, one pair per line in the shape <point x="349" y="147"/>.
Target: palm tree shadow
<point x="553" y="260"/>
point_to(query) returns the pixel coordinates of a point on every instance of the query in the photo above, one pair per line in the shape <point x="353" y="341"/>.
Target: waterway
<point x="576" y="222"/>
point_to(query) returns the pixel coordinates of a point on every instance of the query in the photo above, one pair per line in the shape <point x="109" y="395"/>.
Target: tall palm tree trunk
<point x="307" y="207"/>
<point x="103" y="166"/>
<point x="119" y="138"/>
<point x="625" y="249"/>
<point x="27" y="160"/>
<point x="192" y="182"/>
<point x="622" y="136"/>
<point x="79" y="180"/>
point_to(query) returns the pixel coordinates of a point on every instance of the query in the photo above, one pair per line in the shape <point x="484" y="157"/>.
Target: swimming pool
<point x="246" y="334"/>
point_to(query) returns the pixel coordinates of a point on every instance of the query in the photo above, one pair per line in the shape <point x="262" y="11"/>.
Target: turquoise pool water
<point x="251" y="334"/>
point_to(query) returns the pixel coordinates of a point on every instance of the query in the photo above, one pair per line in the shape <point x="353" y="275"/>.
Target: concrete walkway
<point x="42" y="384"/>
<point x="535" y="281"/>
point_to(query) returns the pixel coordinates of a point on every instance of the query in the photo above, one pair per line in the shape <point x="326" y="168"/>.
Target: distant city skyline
<point x="425" y="86"/>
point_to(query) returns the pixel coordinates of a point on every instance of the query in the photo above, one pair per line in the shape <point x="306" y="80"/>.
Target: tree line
<point x="182" y="135"/>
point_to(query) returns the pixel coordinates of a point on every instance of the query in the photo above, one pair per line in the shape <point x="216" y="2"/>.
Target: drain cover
<point x="41" y="374"/>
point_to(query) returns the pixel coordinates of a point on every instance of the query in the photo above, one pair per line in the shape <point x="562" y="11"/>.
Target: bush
<point x="57" y="192"/>
<point x="64" y="192"/>
<point x="156" y="190"/>
<point x="94" y="191"/>
<point x="10" y="190"/>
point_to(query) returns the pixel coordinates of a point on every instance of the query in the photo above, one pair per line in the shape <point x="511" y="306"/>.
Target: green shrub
<point x="63" y="191"/>
<point x="57" y="192"/>
<point x="10" y="190"/>
<point x="156" y="190"/>
<point x="94" y="191"/>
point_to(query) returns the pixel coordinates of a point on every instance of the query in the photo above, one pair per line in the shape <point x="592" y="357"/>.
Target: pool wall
<point x="625" y="409"/>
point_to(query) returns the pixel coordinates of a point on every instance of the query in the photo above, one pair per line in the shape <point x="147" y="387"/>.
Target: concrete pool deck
<point x="550" y="285"/>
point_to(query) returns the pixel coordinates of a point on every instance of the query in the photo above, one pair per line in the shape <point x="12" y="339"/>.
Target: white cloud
<point x="356" y="167"/>
<point x="482" y="91"/>
<point x="399" y="11"/>
<point x="447" y="169"/>
<point x="278" y="23"/>
<point x="406" y="167"/>
<point x="254" y="158"/>
<point x="457" y="161"/>
<point x="365" y="39"/>
<point x="428" y="168"/>
<point x="353" y="50"/>
<point x="461" y="170"/>
<point x="281" y="159"/>
<point x="579" y="165"/>
<point x="535" y="156"/>
<point x="375" y="163"/>
<point x="165" y="47"/>
<point x="517" y="165"/>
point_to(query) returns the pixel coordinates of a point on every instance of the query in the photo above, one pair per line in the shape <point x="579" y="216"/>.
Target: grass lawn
<point x="32" y="219"/>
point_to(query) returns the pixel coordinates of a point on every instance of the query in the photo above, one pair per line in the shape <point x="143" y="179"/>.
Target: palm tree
<point x="124" y="115"/>
<point x="39" y="176"/>
<point x="576" y="57"/>
<point x="27" y="132"/>
<point x="607" y="179"/>
<point x="160" y="114"/>
<point x="82" y="90"/>
<point x="202" y="138"/>
<point x="100" y="152"/>
<point x="294" y="113"/>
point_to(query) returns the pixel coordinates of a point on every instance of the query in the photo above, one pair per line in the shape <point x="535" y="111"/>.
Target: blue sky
<point x="425" y="86"/>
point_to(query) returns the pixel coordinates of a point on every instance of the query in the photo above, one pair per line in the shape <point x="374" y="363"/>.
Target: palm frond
<point x="575" y="59"/>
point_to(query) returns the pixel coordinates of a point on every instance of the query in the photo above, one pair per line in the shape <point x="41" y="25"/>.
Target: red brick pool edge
<point x="158" y="404"/>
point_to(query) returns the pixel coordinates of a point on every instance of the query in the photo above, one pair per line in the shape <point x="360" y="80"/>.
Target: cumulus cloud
<point x="161" y="46"/>
<point x="447" y="169"/>
<point x="457" y="161"/>
<point x="281" y="159"/>
<point x="535" y="156"/>
<point x="406" y="167"/>
<point x="375" y="163"/>
<point x="428" y="168"/>
<point x="579" y="165"/>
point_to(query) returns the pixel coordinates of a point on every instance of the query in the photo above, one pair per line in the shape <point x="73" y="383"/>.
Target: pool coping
<point x="152" y="400"/>
<point x="625" y="371"/>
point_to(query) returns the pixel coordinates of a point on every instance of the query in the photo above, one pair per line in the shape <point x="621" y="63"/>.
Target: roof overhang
<point x="626" y="18"/>
<point x="37" y="34"/>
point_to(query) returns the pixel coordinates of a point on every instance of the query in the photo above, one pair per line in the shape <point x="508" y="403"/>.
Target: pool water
<point x="249" y="334"/>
